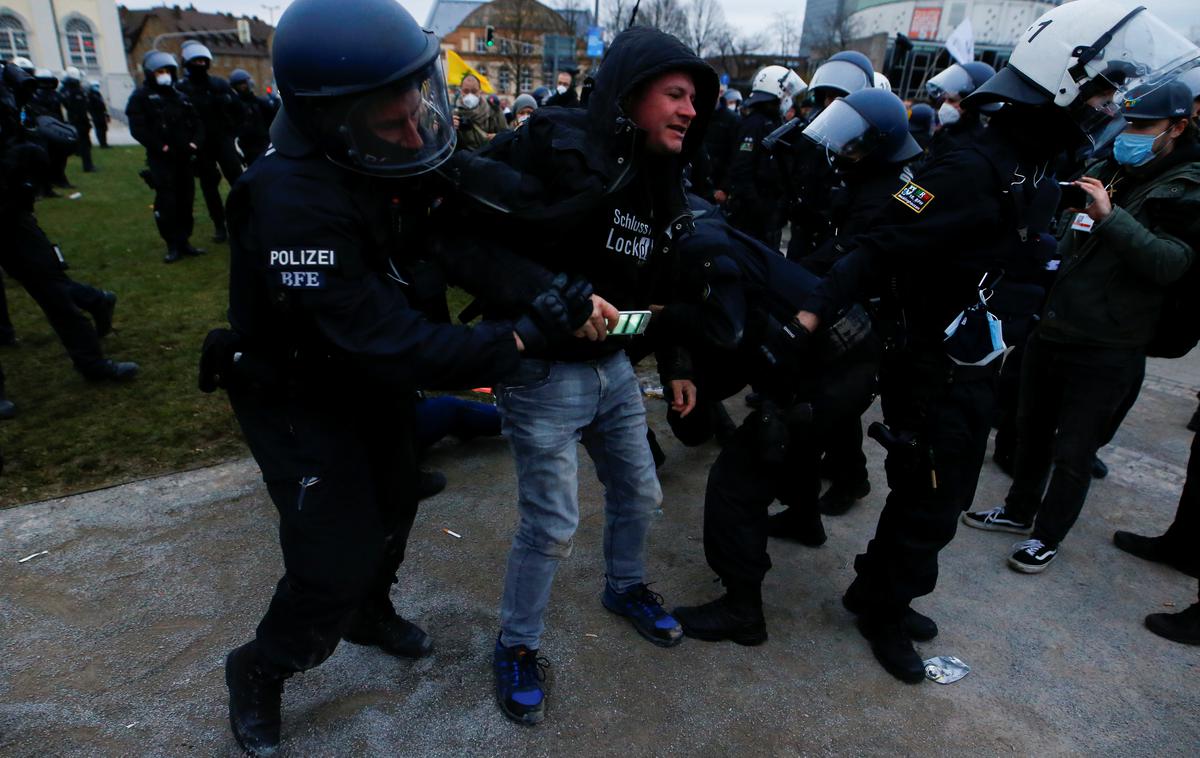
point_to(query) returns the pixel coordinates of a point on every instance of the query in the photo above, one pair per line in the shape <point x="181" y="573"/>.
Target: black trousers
<point x="7" y="332"/>
<point x="28" y="257"/>
<point x="948" y="412"/>
<point x="342" y="531"/>
<point x="742" y="483"/>
<point x="83" y="144"/>
<point x="844" y="464"/>
<point x="174" y="193"/>
<point x="1184" y="533"/>
<point x="1070" y="395"/>
<point x="216" y="158"/>
<point x="101" y="132"/>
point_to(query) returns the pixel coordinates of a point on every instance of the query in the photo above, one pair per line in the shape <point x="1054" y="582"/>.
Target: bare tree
<point x="787" y="32"/>
<point x="704" y="26"/>
<point x="666" y="15"/>
<point x="616" y="16"/>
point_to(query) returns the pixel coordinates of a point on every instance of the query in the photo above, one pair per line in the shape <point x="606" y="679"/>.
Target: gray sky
<point x="749" y="15"/>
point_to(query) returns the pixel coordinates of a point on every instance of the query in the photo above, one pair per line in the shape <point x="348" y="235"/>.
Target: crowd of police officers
<point x="921" y="241"/>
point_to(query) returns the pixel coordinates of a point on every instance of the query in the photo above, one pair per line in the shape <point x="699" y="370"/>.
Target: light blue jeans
<point x="547" y="408"/>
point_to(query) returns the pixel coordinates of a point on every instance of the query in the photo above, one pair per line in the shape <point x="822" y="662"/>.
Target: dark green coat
<point x="1110" y="286"/>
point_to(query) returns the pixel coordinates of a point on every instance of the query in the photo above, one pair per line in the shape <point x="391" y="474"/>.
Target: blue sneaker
<point x="645" y="611"/>
<point x="519" y="674"/>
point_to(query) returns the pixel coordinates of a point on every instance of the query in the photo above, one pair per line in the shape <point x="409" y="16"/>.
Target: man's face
<point x="470" y="86"/>
<point x="564" y="79"/>
<point x="393" y="117"/>
<point x="665" y="110"/>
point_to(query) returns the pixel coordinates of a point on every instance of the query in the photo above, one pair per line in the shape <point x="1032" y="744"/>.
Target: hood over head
<point x="636" y="56"/>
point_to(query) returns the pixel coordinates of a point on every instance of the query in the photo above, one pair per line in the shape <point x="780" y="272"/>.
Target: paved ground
<point x="112" y="642"/>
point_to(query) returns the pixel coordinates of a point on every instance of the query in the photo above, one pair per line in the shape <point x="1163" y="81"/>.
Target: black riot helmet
<point x="362" y="82"/>
<point x="868" y="125"/>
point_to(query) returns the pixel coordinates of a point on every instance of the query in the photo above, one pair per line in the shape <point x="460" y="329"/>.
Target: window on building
<point x="13" y="40"/>
<point x="526" y="79"/>
<point x="504" y="78"/>
<point x="81" y="45"/>
<point x="480" y="45"/>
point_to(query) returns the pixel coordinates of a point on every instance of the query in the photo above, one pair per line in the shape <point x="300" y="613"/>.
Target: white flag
<point x="961" y="42"/>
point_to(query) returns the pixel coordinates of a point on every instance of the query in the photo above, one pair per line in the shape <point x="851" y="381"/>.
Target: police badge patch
<point x="914" y="196"/>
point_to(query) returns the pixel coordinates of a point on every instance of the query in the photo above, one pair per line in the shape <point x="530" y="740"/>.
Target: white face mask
<point x="561" y="89"/>
<point x="470" y="100"/>
<point x="522" y="118"/>
<point x="948" y="114"/>
<point x="163" y="80"/>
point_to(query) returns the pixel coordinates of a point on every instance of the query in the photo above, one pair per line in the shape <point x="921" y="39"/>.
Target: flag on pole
<point x="457" y="68"/>
<point x="961" y="42"/>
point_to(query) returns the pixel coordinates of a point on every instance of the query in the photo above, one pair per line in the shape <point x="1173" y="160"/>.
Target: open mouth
<point x="681" y="130"/>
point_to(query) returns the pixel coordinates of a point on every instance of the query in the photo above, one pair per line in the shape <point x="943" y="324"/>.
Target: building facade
<point x="533" y="42"/>
<point x="217" y="31"/>
<point x="55" y="34"/>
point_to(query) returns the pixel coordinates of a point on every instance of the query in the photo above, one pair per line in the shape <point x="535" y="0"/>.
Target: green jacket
<point x="1112" y="281"/>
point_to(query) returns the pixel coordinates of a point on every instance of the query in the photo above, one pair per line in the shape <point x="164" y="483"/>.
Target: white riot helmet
<point x="882" y="82"/>
<point x="24" y="64"/>
<point x="1082" y="49"/>
<point x="775" y="81"/>
<point x="72" y="74"/>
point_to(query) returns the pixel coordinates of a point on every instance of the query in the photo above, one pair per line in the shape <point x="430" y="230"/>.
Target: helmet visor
<point x="843" y="132"/>
<point x="953" y="81"/>
<point x="842" y="76"/>
<point x="402" y="129"/>
<point x="1144" y="50"/>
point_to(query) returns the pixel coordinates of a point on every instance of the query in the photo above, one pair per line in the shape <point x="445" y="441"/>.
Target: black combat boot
<point x="389" y="632"/>
<point x="798" y="523"/>
<point x="111" y="371"/>
<point x="255" y="696"/>
<point x="840" y="498"/>
<point x="726" y="618"/>
<point x="172" y="255"/>
<point x="916" y="625"/>
<point x="102" y="314"/>
<point x="893" y="647"/>
<point x="1181" y="627"/>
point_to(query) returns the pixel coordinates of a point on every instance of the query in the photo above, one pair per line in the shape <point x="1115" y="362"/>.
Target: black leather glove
<point x="555" y="314"/>
<point x="784" y="345"/>
<point x="216" y="359"/>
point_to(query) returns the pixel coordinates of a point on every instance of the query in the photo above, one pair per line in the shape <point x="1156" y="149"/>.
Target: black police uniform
<point x="319" y="306"/>
<point x="811" y="180"/>
<point x="46" y="102"/>
<point x="964" y="216"/>
<point x="99" y="113"/>
<point x="718" y="147"/>
<point x="75" y="100"/>
<point x="220" y="113"/>
<point x="163" y="117"/>
<point x="741" y="296"/>
<point x="753" y="179"/>
<point x="253" y="133"/>
<point x="961" y="133"/>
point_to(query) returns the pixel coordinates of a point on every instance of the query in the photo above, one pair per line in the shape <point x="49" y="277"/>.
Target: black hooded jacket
<point x="574" y="191"/>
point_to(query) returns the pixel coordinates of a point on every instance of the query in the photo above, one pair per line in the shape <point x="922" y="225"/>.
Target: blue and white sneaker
<point x="644" y="609"/>
<point x="519" y="675"/>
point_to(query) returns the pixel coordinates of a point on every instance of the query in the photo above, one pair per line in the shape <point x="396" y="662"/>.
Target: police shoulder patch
<point x="914" y="196"/>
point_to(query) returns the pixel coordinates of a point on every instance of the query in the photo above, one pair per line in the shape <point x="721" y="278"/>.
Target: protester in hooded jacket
<point x="604" y="187"/>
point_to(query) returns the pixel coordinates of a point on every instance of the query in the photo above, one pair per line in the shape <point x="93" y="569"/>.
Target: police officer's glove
<point x="547" y="322"/>
<point x="784" y="346"/>
<point x="216" y="359"/>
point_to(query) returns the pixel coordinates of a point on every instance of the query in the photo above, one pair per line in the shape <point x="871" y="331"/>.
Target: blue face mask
<point x="1134" y="149"/>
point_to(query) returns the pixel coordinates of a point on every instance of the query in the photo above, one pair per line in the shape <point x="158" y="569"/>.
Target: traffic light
<point x="491" y="36"/>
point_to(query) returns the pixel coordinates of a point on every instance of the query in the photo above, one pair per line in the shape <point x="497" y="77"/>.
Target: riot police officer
<point x="752" y="181"/>
<point x="809" y="175"/>
<point x="325" y="351"/>
<point x="77" y="105"/>
<point x="48" y="101"/>
<point x="959" y="126"/>
<point x="99" y="113"/>
<point x="253" y="134"/>
<point x="163" y="120"/>
<point x="952" y="229"/>
<point x="220" y="113"/>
